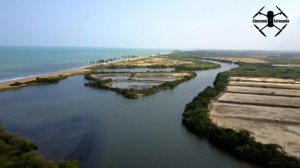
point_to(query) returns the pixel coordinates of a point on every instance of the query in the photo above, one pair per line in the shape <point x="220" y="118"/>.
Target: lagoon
<point x="104" y="129"/>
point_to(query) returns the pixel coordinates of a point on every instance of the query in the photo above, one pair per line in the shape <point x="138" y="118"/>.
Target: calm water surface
<point x="103" y="129"/>
<point x="16" y="62"/>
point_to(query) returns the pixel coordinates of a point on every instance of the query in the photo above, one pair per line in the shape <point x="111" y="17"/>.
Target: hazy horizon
<point x="176" y="24"/>
<point x="173" y="49"/>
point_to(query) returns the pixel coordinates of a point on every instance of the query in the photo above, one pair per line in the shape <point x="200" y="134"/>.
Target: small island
<point x="145" y="76"/>
<point x="134" y="85"/>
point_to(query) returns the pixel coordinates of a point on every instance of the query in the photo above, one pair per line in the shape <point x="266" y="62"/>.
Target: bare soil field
<point x="265" y="80"/>
<point x="150" y="61"/>
<point x="269" y="108"/>
<point x="266" y="85"/>
<point x="260" y="99"/>
<point x="288" y="115"/>
<point x="241" y="59"/>
<point x="285" y="135"/>
<point x="287" y="65"/>
<point x="267" y="91"/>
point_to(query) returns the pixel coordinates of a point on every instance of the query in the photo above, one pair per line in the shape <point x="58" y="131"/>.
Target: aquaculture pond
<point x="139" y="80"/>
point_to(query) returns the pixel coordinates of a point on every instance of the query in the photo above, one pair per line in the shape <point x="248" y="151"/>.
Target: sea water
<point x="18" y="62"/>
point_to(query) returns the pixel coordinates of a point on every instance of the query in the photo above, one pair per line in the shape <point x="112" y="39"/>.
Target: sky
<point x="172" y="24"/>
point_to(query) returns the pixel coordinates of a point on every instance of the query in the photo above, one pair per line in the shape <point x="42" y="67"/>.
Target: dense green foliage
<point x="265" y="70"/>
<point x="46" y="80"/>
<point x="272" y="57"/>
<point x="196" y="66"/>
<point x="39" y="80"/>
<point x="284" y="59"/>
<point x="98" y="82"/>
<point x="16" y="152"/>
<point x="16" y="84"/>
<point x="238" y="143"/>
<point x="134" y="93"/>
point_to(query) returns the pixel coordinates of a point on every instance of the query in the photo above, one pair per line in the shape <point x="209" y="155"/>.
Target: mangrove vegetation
<point x="38" y="80"/>
<point x="16" y="152"/>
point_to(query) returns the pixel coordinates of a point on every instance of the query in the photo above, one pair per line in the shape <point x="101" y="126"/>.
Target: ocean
<point x="18" y="62"/>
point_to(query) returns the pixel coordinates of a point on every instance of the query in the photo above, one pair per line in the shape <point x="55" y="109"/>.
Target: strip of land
<point x="7" y="85"/>
<point x="239" y="59"/>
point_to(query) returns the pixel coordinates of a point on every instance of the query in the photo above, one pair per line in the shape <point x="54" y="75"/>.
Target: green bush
<point x="265" y="70"/>
<point x="16" y="152"/>
<point x="39" y="80"/>
<point x="16" y="84"/>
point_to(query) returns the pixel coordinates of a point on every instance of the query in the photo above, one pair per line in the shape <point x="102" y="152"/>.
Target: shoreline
<point x="5" y="84"/>
<point x="37" y="75"/>
<point x="75" y="68"/>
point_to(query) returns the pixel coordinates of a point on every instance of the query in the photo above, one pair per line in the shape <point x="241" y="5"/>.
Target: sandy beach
<point x="5" y="85"/>
<point x="76" y="71"/>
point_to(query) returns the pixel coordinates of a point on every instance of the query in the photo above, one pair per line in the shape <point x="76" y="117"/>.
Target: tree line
<point x="16" y="152"/>
<point x="100" y="61"/>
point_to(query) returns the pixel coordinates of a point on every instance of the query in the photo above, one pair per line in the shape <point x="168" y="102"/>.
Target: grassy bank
<point x="134" y="93"/>
<point x="16" y="152"/>
<point x="41" y="81"/>
<point x="238" y="143"/>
